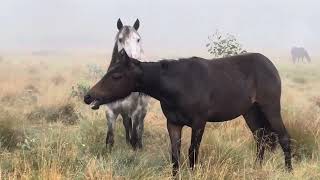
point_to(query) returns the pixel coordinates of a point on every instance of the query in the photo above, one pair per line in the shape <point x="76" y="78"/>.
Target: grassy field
<point x="47" y="132"/>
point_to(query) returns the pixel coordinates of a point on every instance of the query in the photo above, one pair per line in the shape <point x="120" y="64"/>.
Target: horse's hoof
<point x="134" y="144"/>
<point x="289" y="169"/>
<point x="109" y="149"/>
<point x="139" y="146"/>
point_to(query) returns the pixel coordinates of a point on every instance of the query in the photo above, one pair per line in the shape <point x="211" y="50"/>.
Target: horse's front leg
<point x="198" y="127"/>
<point x="175" y="138"/>
<point x="111" y="121"/>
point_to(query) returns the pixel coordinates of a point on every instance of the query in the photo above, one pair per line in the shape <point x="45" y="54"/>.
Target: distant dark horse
<point x="133" y="109"/>
<point x="299" y="53"/>
<point x="194" y="91"/>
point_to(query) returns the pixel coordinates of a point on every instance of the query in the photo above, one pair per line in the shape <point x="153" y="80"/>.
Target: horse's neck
<point x="149" y="82"/>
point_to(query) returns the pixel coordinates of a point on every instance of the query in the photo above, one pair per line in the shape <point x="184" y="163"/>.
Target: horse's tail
<point x="271" y="140"/>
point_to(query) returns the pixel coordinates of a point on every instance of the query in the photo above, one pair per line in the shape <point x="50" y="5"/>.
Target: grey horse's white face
<point x="129" y="39"/>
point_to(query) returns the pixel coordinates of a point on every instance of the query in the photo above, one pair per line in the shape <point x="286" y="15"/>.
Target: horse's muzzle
<point x="87" y="99"/>
<point x="94" y="102"/>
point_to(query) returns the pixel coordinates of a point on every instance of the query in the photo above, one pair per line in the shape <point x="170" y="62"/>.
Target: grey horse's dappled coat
<point x="133" y="108"/>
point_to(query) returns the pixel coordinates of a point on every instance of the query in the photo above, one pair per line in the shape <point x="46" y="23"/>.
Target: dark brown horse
<point x="194" y="91"/>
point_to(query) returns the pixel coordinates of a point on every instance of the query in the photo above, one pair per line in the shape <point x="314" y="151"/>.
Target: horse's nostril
<point x="87" y="98"/>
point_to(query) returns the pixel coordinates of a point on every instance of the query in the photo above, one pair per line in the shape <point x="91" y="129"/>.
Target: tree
<point x="223" y="45"/>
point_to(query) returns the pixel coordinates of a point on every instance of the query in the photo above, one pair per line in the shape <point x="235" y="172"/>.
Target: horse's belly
<point x="222" y="118"/>
<point x="228" y="112"/>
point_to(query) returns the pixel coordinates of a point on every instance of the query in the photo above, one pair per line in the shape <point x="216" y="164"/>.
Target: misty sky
<point x="166" y="25"/>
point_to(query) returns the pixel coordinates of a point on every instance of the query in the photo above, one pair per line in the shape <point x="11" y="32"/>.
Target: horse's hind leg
<point x="255" y="121"/>
<point x="127" y="123"/>
<point x="111" y="121"/>
<point x="272" y="112"/>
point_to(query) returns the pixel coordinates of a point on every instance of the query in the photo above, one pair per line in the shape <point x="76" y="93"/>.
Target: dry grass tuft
<point x="66" y="113"/>
<point x="58" y="79"/>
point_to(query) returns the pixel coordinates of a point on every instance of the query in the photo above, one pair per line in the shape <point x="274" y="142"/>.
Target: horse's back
<point x="248" y="64"/>
<point x="240" y="67"/>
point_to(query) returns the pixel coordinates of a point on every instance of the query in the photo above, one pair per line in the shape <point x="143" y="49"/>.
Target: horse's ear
<point x="136" y="24"/>
<point x="119" y="24"/>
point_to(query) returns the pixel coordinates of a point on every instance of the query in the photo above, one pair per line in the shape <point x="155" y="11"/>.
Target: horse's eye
<point x="116" y="76"/>
<point x="138" y="40"/>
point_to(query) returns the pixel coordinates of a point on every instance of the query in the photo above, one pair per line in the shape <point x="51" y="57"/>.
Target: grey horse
<point x="299" y="53"/>
<point x="133" y="108"/>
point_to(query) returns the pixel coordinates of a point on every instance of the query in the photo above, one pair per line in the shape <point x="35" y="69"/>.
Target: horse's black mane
<point x="114" y="53"/>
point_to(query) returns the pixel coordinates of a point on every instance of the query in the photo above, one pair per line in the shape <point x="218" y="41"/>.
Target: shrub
<point x="29" y="95"/>
<point x="33" y="70"/>
<point x="80" y="90"/>
<point x="9" y="99"/>
<point x="58" y="79"/>
<point x="301" y="125"/>
<point x="223" y="45"/>
<point x="92" y="136"/>
<point x="10" y="132"/>
<point x="95" y="71"/>
<point x="32" y="88"/>
<point x="299" y="80"/>
<point x="65" y="113"/>
<point x="317" y="101"/>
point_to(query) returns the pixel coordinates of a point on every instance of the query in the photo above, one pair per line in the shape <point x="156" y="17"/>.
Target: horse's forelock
<point x="126" y="32"/>
<point x="130" y="41"/>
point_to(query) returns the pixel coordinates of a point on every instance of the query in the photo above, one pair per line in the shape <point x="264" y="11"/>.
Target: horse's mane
<point x="114" y="53"/>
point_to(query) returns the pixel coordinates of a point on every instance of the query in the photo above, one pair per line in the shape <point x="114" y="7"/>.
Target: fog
<point x="176" y="27"/>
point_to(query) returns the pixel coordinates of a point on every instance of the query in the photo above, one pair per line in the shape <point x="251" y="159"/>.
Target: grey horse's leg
<point x="138" y="116"/>
<point x="137" y="126"/>
<point x="127" y="123"/>
<point x="140" y="127"/>
<point x="111" y="121"/>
